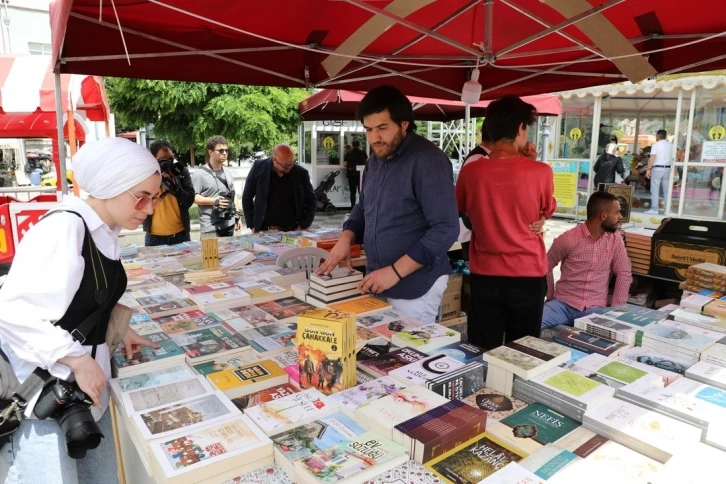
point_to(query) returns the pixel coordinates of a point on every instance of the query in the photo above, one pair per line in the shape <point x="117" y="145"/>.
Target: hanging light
<point x="471" y="91"/>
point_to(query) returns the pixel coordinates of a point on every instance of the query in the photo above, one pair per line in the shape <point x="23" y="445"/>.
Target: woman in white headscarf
<point x="67" y="268"/>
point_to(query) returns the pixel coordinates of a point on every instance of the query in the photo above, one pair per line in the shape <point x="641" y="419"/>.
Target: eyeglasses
<point x="142" y="202"/>
<point x="222" y="150"/>
<point x="283" y="167"/>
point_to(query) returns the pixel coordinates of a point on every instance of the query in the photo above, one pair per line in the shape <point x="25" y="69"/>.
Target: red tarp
<point x="424" y="47"/>
<point x="333" y="104"/>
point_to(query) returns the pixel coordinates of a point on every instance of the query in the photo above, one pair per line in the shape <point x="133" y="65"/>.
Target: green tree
<point x="187" y="113"/>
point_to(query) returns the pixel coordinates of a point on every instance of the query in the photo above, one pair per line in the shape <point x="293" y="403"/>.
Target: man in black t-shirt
<point x="356" y="157"/>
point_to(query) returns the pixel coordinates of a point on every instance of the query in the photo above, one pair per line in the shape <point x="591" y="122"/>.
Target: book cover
<point x="367" y="392"/>
<point x="225" y="362"/>
<point x="167" y="349"/>
<point x="252" y="315"/>
<point x="269" y="474"/>
<point x="190" y="322"/>
<point x="380" y="317"/>
<point x="184" y="453"/>
<point x="290" y="410"/>
<point x="365" y="304"/>
<point x="323" y="433"/>
<point x="338" y="276"/>
<point x="410" y="472"/>
<point x="462" y="351"/>
<point x="263" y="396"/>
<point x="221" y="297"/>
<point x="246" y="375"/>
<point x="531" y="428"/>
<point x="427" y="337"/>
<point x="217" y="286"/>
<point x="194" y="412"/>
<point x="681" y="335"/>
<point x="171" y="307"/>
<point x="461" y="383"/>
<point x="374" y="349"/>
<point x="399" y="406"/>
<point x="513" y="473"/>
<point x="634" y="315"/>
<point x="272" y="291"/>
<point x="274" y="342"/>
<point x="381" y="365"/>
<point x="285" y="308"/>
<point x="570" y="383"/>
<point x="346" y="459"/>
<point x="425" y="369"/>
<point x="146" y="398"/>
<point x="209" y="341"/>
<point x="152" y="378"/>
<point x="387" y="330"/>
<point x="472" y="461"/>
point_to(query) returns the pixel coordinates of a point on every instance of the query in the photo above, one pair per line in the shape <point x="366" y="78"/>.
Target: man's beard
<point x="391" y="148"/>
<point x="611" y="228"/>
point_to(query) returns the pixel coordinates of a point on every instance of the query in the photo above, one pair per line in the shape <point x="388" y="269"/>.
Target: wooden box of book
<point x="681" y="243"/>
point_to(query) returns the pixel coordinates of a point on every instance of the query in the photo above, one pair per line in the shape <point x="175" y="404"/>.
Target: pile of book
<point x="341" y="284"/>
<point x="638" y="245"/>
<point x="705" y="276"/>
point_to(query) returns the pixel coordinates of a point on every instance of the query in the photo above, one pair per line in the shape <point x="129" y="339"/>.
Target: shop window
<point x="701" y="191"/>
<point x="575" y="135"/>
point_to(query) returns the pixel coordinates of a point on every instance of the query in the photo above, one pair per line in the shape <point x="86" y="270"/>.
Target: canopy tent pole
<point x="62" y="184"/>
<point x="467" y="127"/>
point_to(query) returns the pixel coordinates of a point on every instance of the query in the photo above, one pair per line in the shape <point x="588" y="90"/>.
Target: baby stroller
<point x="323" y="202"/>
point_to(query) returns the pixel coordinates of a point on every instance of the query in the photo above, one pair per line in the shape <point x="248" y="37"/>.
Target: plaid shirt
<point x="586" y="268"/>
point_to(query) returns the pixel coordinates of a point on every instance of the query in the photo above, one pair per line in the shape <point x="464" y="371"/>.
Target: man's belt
<point x="661" y="166"/>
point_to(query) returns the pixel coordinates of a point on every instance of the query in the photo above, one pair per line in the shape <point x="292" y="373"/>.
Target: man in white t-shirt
<point x="659" y="171"/>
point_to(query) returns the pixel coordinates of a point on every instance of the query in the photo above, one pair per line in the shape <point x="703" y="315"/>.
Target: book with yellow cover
<point x="362" y="305"/>
<point x="326" y="350"/>
<point x="249" y="378"/>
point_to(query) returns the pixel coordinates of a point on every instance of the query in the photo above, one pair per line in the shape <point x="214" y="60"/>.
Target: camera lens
<point x="81" y="430"/>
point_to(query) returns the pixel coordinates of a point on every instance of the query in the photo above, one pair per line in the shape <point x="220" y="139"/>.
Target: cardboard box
<point x="455" y="282"/>
<point x="450" y="305"/>
<point x="681" y="243"/>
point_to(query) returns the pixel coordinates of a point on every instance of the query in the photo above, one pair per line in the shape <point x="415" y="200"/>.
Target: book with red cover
<point x="267" y="395"/>
<point x="381" y="365"/>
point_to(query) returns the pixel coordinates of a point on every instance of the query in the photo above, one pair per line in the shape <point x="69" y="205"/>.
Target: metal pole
<point x="676" y="129"/>
<point x="467" y="124"/>
<point x="61" y="141"/>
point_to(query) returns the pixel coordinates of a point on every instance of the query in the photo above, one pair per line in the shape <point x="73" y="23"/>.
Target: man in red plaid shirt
<point x="590" y="253"/>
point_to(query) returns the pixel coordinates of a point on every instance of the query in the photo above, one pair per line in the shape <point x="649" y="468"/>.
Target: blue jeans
<point x="556" y="312"/>
<point x="37" y="454"/>
<point x="151" y="240"/>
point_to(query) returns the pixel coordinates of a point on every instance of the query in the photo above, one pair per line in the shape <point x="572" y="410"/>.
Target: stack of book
<point x="621" y="323"/>
<point x="248" y="378"/>
<point x="339" y="285"/>
<point x="581" y="340"/>
<point x="531" y="428"/>
<point x="563" y="391"/>
<point x="638" y="244"/>
<point x="686" y="400"/>
<point x="215" y="300"/>
<point x="705" y="276"/>
<point x="439" y="430"/>
<point x="292" y="411"/>
<point x="326" y="342"/>
<point x="655" y="435"/>
<point x="619" y="371"/>
<point x="681" y="340"/>
<point x="526" y="357"/>
<point x="427" y="338"/>
<point x="703" y="311"/>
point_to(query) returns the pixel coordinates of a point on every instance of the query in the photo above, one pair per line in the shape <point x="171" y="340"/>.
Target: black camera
<point x="171" y="165"/>
<point x="224" y="214"/>
<point x="67" y="404"/>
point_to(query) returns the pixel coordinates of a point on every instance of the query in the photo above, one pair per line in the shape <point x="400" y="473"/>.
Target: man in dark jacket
<point x="353" y="159"/>
<point x="607" y="165"/>
<point x="169" y="224"/>
<point x="278" y="194"/>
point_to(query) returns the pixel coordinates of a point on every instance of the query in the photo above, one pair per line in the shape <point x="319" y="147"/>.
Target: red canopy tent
<point x="339" y="104"/>
<point x="425" y="47"/>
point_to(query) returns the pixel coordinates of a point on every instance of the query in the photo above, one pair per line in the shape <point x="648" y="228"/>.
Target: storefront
<point x="690" y="109"/>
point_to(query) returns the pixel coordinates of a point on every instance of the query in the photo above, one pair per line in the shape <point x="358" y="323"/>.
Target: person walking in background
<point x="607" y="165"/>
<point x="353" y="159"/>
<point x="659" y="171"/>
<point x="503" y="196"/>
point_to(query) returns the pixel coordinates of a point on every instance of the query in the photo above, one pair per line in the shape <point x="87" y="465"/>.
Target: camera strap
<point x="209" y="170"/>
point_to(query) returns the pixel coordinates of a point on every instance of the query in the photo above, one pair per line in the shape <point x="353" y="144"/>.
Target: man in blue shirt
<point x="407" y="217"/>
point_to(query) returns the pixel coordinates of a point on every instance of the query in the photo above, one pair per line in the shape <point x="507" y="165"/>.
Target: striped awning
<point x="27" y="86"/>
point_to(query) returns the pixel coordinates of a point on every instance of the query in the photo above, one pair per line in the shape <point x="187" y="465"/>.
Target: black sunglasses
<point x="222" y="150"/>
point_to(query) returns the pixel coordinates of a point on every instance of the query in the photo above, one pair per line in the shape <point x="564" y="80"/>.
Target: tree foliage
<point x="187" y="113"/>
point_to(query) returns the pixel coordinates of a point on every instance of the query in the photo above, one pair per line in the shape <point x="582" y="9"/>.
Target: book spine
<point x="446" y="443"/>
<point x="669" y="349"/>
<point x="530" y="394"/>
<point x="580" y="346"/>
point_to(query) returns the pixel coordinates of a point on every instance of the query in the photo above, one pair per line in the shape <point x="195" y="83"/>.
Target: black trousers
<point x="353" y="185"/>
<point x="505" y="306"/>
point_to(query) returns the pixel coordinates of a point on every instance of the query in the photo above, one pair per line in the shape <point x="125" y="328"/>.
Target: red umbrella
<point x="334" y="104"/>
<point x="425" y="47"/>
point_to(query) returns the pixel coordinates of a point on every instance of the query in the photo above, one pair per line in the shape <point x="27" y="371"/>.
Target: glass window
<point x="708" y="122"/>
<point x="36" y="48"/>
<point x="702" y="191"/>
<point x="575" y="134"/>
<point x="328" y="152"/>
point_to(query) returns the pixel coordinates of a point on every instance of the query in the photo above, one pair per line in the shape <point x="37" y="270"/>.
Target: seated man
<point x="589" y="253"/>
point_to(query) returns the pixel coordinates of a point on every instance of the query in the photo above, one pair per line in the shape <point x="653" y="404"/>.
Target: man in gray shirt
<point x="210" y="183"/>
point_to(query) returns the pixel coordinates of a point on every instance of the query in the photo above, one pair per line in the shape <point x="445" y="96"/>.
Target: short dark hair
<point x="613" y="139"/>
<point x="388" y="97"/>
<point x="216" y="140"/>
<point x="159" y="145"/>
<point x="506" y="115"/>
<point x="485" y="136"/>
<point x="598" y="203"/>
<point x="356" y="144"/>
<point x="661" y="134"/>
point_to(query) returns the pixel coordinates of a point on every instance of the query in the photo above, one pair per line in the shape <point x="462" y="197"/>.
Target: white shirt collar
<point x="93" y="220"/>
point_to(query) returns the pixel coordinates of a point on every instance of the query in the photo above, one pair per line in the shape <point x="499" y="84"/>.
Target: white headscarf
<point x="110" y="166"/>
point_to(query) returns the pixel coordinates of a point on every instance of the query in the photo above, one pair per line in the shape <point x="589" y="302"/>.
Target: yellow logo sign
<point x="575" y="134"/>
<point x="328" y="142"/>
<point x="3" y="242"/>
<point x="717" y="133"/>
